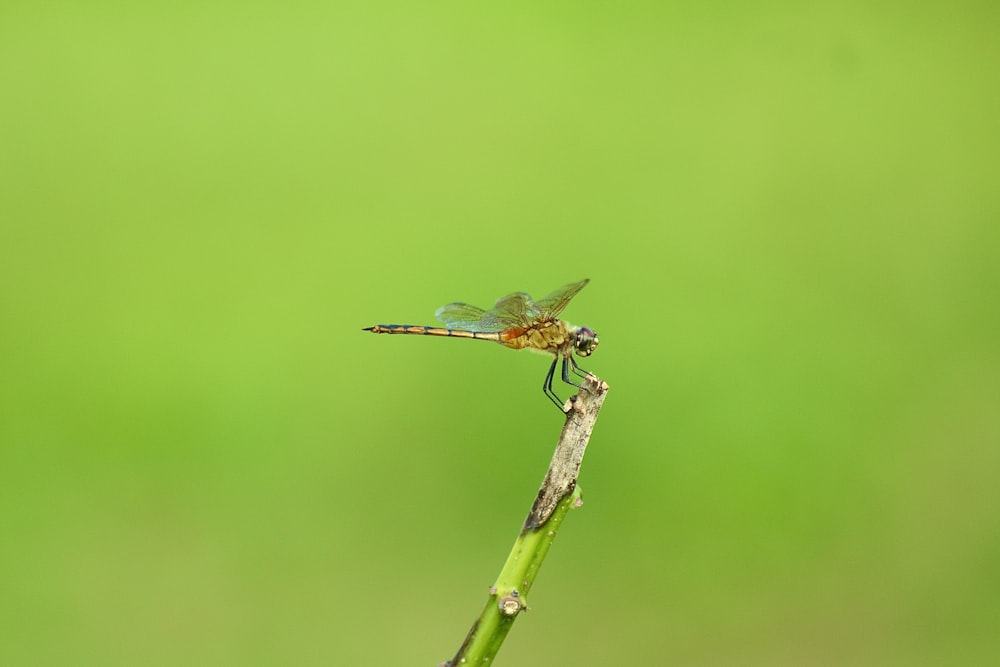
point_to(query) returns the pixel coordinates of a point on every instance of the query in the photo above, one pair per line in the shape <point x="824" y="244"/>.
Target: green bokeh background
<point x="790" y="214"/>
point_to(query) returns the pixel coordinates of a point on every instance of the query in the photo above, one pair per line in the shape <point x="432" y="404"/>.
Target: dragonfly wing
<point x="464" y="317"/>
<point x="515" y="309"/>
<point x="553" y="304"/>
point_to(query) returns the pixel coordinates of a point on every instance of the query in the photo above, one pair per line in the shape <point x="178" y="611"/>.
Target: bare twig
<point x="559" y="493"/>
<point x="565" y="466"/>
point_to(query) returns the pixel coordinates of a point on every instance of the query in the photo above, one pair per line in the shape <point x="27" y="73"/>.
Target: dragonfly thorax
<point x="585" y="341"/>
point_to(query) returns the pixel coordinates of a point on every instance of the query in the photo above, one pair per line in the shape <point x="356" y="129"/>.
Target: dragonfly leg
<point x="547" y="385"/>
<point x="577" y="371"/>
<point x="565" y="373"/>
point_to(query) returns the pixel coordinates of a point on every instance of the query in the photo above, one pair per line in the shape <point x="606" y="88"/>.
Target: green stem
<point x="557" y="496"/>
<point x="508" y="596"/>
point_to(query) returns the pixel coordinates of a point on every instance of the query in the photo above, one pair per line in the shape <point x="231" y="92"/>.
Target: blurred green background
<point x="790" y="214"/>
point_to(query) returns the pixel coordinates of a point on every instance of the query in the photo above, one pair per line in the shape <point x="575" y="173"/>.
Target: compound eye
<point x="586" y="341"/>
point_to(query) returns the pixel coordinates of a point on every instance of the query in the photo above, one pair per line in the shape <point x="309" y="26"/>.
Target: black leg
<point x="547" y="385"/>
<point x="565" y="373"/>
<point x="577" y="370"/>
<point x="580" y="372"/>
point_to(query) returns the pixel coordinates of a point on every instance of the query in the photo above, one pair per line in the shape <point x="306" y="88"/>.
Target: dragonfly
<point x="518" y="322"/>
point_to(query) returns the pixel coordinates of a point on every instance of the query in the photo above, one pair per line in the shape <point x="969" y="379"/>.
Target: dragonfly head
<point x="585" y="341"/>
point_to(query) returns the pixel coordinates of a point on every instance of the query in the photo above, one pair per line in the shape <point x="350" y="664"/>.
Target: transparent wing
<point x="514" y="310"/>
<point x="464" y="317"/>
<point x="550" y="307"/>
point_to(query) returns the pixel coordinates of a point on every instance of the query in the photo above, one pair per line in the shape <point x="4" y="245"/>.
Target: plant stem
<point x="558" y="494"/>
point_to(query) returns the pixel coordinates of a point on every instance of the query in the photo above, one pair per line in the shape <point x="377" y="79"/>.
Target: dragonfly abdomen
<point x="419" y="330"/>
